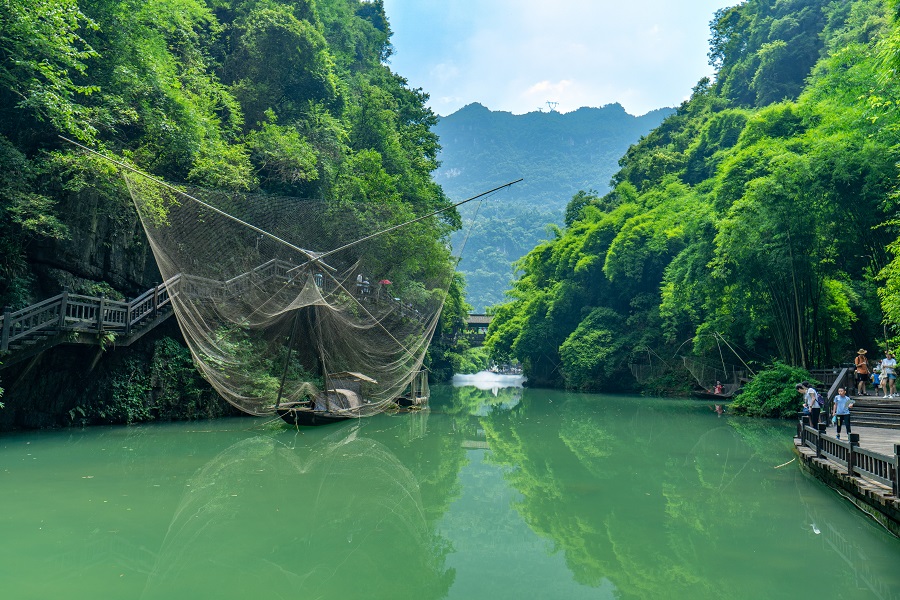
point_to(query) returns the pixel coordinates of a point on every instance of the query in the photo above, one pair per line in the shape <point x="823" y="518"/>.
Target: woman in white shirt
<point x="811" y="401"/>
<point x="889" y="372"/>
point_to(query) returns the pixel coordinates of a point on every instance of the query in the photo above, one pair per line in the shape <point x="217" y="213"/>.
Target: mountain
<point x="556" y="154"/>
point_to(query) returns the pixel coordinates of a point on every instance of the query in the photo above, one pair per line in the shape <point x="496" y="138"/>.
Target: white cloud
<point x="507" y="53"/>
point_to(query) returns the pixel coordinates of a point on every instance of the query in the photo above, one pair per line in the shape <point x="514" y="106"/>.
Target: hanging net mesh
<point x="283" y="300"/>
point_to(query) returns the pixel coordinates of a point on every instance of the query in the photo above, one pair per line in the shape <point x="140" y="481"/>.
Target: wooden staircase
<point x="77" y="319"/>
<point x="871" y="411"/>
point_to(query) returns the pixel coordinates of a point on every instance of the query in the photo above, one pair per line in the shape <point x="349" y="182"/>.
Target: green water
<point x="526" y="494"/>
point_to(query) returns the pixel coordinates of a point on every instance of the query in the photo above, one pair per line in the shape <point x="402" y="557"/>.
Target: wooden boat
<point x="727" y="392"/>
<point x="712" y="395"/>
<point x="343" y="399"/>
<point x="417" y="393"/>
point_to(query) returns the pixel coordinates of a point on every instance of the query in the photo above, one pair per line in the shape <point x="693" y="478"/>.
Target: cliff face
<point x="106" y="250"/>
<point x="69" y="385"/>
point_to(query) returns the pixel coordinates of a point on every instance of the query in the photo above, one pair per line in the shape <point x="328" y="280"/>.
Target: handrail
<point x="91" y="314"/>
<point x="838" y="383"/>
<point x="858" y="461"/>
<point x="78" y="312"/>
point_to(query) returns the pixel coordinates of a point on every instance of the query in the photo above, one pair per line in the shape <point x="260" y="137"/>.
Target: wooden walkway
<point x="867" y="468"/>
<point x="77" y="319"/>
<point x="875" y="439"/>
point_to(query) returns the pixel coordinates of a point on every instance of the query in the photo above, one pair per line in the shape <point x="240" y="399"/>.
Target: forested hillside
<point x="762" y="212"/>
<point x="264" y="96"/>
<point x="556" y="155"/>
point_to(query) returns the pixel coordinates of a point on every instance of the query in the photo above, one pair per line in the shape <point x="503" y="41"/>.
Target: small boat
<point x="705" y="395"/>
<point x="417" y="393"/>
<point x="341" y="400"/>
<point x="720" y="392"/>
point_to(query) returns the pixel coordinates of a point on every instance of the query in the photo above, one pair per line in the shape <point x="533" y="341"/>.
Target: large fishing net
<point x="283" y="300"/>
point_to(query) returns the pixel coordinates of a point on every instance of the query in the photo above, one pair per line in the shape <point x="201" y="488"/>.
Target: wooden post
<point x="128" y="319"/>
<point x="63" y="307"/>
<point x="100" y="313"/>
<point x="851" y="458"/>
<point x="896" y="481"/>
<point x="4" y="337"/>
<point x="821" y="427"/>
<point x="804" y="422"/>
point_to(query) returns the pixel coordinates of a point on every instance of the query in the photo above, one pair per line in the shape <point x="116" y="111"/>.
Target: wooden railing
<point x="89" y="314"/>
<point x="834" y="378"/>
<point x="857" y="461"/>
<point x="83" y="314"/>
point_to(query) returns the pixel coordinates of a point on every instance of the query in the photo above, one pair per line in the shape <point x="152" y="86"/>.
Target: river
<point x="491" y="493"/>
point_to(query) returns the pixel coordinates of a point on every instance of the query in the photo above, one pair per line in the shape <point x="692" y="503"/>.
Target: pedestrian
<point x="811" y="402"/>
<point x="889" y="373"/>
<point x="876" y="379"/>
<point x="862" y="372"/>
<point x="841" y="411"/>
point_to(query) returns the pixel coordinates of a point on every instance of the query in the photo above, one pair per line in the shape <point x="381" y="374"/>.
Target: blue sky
<point x="516" y="55"/>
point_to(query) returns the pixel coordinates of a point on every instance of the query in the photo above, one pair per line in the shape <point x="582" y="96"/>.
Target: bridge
<point x="476" y="328"/>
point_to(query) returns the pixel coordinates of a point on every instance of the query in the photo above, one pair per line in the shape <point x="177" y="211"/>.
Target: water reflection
<point x="513" y="493"/>
<point x="342" y="517"/>
<point x="665" y="499"/>
<point x="488" y="380"/>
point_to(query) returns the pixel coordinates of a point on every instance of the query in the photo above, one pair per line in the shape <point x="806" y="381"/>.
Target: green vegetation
<point x="556" y="154"/>
<point x="291" y="98"/>
<point x="159" y="384"/>
<point x="287" y="97"/>
<point x="763" y="210"/>
<point x="772" y="393"/>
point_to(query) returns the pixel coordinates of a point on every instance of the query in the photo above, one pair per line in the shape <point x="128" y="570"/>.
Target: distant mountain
<point x="556" y="154"/>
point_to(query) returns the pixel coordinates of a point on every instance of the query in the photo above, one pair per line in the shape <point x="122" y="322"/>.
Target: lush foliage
<point x="772" y="393"/>
<point x="288" y="97"/>
<point x="160" y="383"/>
<point x="760" y="213"/>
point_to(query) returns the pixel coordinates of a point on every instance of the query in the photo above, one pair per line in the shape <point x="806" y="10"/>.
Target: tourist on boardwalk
<point x="889" y="374"/>
<point x="810" y="401"/>
<point x="876" y="379"/>
<point x="862" y="372"/>
<point x="841" y="410"/>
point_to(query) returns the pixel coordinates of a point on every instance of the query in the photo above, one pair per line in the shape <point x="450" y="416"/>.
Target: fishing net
<point x="283" y="300"/>
<point x="707" y="375"/>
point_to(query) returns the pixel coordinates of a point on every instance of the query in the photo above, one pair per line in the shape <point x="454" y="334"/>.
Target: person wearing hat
<point x="862" y="372"/>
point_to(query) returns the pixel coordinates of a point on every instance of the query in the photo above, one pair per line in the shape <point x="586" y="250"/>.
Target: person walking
<point x="889" y="373"/>
<point x="862" y="372"/>
<point x="810" y="401"/>
<point x="841" y="410"/>
<point x="876" y="379"/>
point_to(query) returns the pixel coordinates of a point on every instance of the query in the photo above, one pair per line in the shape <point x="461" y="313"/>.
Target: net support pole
<point x="287" y="361"/>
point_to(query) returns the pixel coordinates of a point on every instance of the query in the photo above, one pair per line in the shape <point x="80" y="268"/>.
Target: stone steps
<point x="874" y="411"/>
